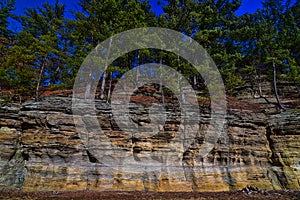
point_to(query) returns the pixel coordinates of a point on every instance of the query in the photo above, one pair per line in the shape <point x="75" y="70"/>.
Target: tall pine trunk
<point x="195" y="81"/>
<point x="87" y="93"/>
<point x="109" y="89"/>
<point x="104" y="72"/>
<point x="282" y="108"/>
<point x="179" y="81"/>
<point x="298" y="89"/>
<point x="37" y="90"/>
<point x="137" y="70"/>
<point x="161" y="83"/>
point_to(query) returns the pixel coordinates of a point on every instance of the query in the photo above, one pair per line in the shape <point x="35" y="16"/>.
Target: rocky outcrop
<point x="41" y="149"/>
<point x="283" y="134"/>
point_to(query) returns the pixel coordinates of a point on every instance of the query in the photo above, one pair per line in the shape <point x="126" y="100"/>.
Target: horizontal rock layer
<point x="41" y="149"/>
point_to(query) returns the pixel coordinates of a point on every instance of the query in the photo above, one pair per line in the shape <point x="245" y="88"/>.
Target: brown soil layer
<point x="265" y="195"/>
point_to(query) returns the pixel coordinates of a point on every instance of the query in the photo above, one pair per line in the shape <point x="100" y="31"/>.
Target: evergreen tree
<point x="291" y="38"/>
<point x="21" y="74"/>
<point x="100" y="20"/>
<point x="267" y="41"/>
<point x="49" y="49"/>
<point x="210" y="23"/>
<point x="46" y="25"/>
<point x="6" y="41"/>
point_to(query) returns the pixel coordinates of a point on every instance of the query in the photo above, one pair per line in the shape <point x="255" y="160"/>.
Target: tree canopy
<point x="49" y="48"/>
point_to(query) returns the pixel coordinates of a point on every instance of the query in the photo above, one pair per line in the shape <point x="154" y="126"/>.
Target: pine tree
<point x="6" y="40"/>
<point x="46" y="25"/>
<point x="291" y="37"/>
<point x="210" y="23"/>
<point x="100" y="20"/>
<point x="19" y="66"/>
<point x="271" y="42"/>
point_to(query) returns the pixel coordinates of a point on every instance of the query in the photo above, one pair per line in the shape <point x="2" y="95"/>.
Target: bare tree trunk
<point x="88" y="87"/>
<point x="259" y="88"/>
<point x="103" y="85"/>
<point x="258" y="79"/>
<point x="179" y="81"/>
<point x="258" y="75"/>
<point x="275" y="88"/>
<point x="298" y="89"/>
<point x="161" y="83"/>
<point x="37" y="90"/>
<point x="195" y="81"/>
<point x="137" y="71"/>
<point x="104" y="73"/>
<point x="109" y="89"/>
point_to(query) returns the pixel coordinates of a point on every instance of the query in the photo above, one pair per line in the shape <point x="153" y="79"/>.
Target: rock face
<point x="41" y="149"/>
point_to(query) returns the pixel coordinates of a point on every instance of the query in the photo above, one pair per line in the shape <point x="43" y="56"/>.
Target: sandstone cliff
<point x="41" y="150"/>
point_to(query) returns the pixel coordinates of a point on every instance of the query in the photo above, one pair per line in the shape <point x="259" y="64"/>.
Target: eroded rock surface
<point x="42" y="150"/>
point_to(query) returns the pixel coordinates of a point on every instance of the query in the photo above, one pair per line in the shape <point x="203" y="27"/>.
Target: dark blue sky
<point x="247" y="6"/>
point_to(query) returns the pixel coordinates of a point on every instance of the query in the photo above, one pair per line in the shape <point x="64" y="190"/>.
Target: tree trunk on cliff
<point x="259" y="81"/>
<point x="161" y="83"/>
<point x="298" y="89"/>
<point x="259" y="88"/>
<point x="179" y="81"/>
<point x="109" y="89"/>
<point x="104" y="73"/>
<point x="37" y="90"/>
<point x="282" y="108"/>
<point x="137" y="70"/>
<point x="258" y="78"/>
<point x="88" y="87"/>
<point x="103" y="85"/>
<point x="195" y="81"/>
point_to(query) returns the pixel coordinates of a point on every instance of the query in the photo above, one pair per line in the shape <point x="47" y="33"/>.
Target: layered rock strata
<point x="41" y="149"/>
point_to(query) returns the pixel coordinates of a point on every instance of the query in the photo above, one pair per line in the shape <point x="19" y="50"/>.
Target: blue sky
<point x="248" y="6"/>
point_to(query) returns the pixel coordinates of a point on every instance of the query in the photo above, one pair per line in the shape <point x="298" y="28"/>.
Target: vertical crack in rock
<point x="276" y="172"/>
<point x="11" y="162"/>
